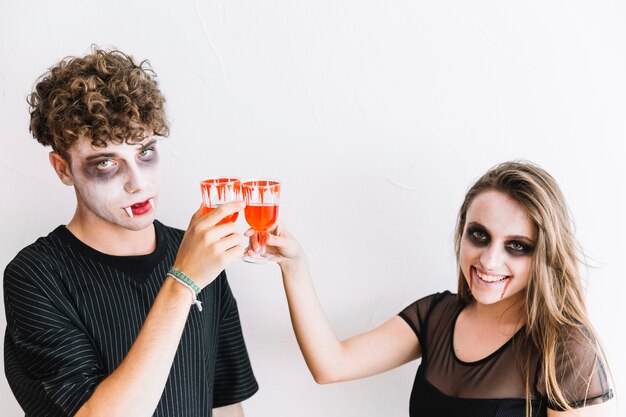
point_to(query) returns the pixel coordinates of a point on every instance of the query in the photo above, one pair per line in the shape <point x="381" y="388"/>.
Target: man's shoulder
<point x="43" y="254"/>
<point x="44" y="246"/>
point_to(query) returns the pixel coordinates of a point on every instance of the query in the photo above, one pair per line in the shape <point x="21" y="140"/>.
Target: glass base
<point x="258" y="258"/>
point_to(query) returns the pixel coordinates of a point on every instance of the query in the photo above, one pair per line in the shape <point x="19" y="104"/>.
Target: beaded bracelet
<point x="189" y="283"/>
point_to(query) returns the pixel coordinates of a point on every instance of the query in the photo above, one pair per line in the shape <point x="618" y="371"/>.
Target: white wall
<point x="377" y="115"/>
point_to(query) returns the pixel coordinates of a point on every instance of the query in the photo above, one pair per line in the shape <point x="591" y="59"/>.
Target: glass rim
<point x="220" y="180"/>
<point x="265" y="183"/>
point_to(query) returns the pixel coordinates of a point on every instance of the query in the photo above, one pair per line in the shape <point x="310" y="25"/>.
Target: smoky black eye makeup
<point x="477" y="234"/>
<point x="519" y="248"/>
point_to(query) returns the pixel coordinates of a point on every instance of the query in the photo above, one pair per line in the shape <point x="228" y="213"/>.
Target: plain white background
<point x="377" y="116"/>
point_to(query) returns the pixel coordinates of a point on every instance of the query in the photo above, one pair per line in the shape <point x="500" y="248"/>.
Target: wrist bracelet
<point x="189" y="283"/>
<point x="184" y="278"/>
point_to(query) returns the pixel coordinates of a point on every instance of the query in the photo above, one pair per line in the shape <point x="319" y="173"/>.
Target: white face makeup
<point x="496" y="248"/>
<point x="116" y="185"/>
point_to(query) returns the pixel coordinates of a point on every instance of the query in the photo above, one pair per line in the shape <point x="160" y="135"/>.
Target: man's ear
<point x="61" y="167"/>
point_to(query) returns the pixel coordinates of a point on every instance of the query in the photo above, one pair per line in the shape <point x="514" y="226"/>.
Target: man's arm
<point x="135" y="387"/>
<point x="233" y="410"/>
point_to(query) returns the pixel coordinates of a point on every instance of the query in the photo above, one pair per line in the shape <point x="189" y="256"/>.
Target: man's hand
<point x="207" y="249"/>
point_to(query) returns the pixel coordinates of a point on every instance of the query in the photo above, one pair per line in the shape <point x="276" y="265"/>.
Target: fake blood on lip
<point x="141" y="208"/>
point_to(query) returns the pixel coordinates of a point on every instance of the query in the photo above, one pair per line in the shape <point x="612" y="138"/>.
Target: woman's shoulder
<point x="442" y="299"/>
<point x="581" y="371"/>
<point x="439" y="305"/>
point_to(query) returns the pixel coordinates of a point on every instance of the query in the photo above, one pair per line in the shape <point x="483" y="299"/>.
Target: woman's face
<point x="496" y="248"/>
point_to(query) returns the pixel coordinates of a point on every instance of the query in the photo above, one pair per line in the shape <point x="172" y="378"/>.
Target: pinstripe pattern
<point x="73" y="314"/>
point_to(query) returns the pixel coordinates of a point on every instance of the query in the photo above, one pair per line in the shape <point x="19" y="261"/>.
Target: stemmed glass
<point x="218" y="191"/>
<point x="261" y="198"/>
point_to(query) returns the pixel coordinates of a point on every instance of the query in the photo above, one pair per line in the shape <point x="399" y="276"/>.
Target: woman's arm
<point x="329" y="359"/>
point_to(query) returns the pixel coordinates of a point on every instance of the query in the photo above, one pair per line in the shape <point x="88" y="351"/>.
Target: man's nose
<point x="136" y="181"/>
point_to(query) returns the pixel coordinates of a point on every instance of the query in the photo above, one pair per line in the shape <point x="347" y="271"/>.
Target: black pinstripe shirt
<point x="73" y="313"/>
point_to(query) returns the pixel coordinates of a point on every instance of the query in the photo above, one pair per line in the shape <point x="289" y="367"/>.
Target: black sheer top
<point x="493" y="386"/>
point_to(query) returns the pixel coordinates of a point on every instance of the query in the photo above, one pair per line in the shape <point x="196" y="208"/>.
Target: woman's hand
<point x="281" y="244"/>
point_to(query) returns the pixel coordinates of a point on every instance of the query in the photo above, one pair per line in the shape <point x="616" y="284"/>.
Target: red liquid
<point x="261" y="217"/>
<point x="228" y="219"/>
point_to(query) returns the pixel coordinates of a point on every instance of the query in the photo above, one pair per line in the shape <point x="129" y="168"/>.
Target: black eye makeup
<point x="477" y="235"/>
<point x="517" y="248"/>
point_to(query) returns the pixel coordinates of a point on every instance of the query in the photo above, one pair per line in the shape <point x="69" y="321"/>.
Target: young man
<point x="98" y="312"/>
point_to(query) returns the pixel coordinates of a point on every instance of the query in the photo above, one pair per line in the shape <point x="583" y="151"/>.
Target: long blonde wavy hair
<point x="555" y="303"/>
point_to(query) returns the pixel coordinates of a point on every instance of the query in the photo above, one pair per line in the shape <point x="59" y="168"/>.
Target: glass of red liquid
<point x="261" y="198"/>
<point x="218" y="191"/>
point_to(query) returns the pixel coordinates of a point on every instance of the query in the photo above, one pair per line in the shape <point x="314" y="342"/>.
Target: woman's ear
<point x="61" y="167"/>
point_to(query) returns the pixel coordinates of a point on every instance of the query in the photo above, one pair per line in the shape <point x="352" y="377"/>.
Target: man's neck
<point x="112" y="239"/>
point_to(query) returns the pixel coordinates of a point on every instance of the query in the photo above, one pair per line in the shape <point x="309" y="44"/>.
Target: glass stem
<point x="263" y="236"/>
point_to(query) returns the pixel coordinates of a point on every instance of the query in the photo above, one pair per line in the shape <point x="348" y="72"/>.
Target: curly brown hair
<point x="104" y="95"/>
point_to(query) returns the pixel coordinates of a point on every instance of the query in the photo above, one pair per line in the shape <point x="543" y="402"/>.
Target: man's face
<point x="116" y="185"/>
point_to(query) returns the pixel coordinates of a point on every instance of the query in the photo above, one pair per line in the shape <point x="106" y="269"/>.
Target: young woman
<point x="514" y="341"/>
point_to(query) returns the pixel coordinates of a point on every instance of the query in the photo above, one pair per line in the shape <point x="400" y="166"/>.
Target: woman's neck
<point x="508" y="315"/>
